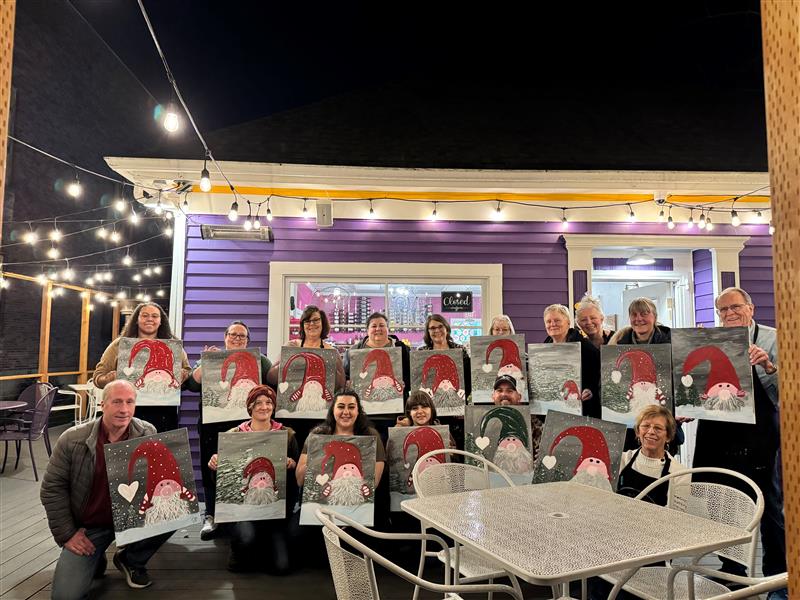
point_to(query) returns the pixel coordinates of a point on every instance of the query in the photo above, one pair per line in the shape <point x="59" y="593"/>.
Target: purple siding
<point x="727" y="279"/>
<point x="580" y="284"/>
<point x="703" y="288"/>
<point x="755" y="276"/>
<point x="620" y="264"/>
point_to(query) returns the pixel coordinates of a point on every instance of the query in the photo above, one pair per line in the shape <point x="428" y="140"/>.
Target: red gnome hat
<point x="721" y="370"/>
<point x="425" y="439"/>
<point x="246" y="367"/>
<point x="445" y="368"/>
<point x="570" y="387"/>
<point x="315" y="371"/>
<point x="259" y="465"/>
<point x="643" y="368"/>
<point x="159" y="359"/>
<point x="161" y="465"/>
<point x="510" y="352"/>
<point x="593" y="444"/>
<point x="383" y="369"/>
<point x="343" y="453"/>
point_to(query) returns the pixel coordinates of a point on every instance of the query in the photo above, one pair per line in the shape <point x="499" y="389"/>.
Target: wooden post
<point x="780" y="22"/>
<point x="115" y="323"/>
<point x="83" y="357"/>
<point x="7" y="12"/>
<point x="44" y="331"/>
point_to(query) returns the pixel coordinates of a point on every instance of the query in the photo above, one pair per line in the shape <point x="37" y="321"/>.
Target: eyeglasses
<point x="434" y="329"/>
<point x="656" y="428"/>
<point x="737" y="308"/>
<point x="314" y="321"/>
<point x="237" y="336"/>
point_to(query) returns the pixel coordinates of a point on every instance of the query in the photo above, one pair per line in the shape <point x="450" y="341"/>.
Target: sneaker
<point x="135" y="578"/>
<point x="100" y="569"/>
<point x="209" y="527"/>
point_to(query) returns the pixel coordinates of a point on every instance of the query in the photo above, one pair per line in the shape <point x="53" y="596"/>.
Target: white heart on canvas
<point x="128" y="491"/>
<point x="483" y="442"/>
<point x="686" y="380"/>
<point x="549" y="461"/>
<point x="322" y="478"/>
<point x="128" y="370"/>
<point x="363" y="374"/>
<point x="487" y="368"/>
<point x="616" y="376"/>
<point x="283" y="386"/>
<point x="223" y="385"/>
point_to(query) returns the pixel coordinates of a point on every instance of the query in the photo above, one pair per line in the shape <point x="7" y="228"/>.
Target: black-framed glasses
<point x="237" y="336"/>
<point x="737" y="308"/>
<point x="314" y="321"/>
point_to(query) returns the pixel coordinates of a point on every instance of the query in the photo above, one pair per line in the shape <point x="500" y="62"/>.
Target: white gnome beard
<point x="572" y="400"/>
<point x="166" y="508"/>
<point x="155" y="387"/>
<point x="515" y="461"/>
<point x="448" y="398"/>
<point x="238" y="394"/>
<point x="593" y="478"/>
<point x="312" y="399"/>
<point x="724" y="400"/>
<point x="346" y="491"/>
<point x="383" y="394"/>
<point x="259" y="496"/>
<point x="643" y="395"/>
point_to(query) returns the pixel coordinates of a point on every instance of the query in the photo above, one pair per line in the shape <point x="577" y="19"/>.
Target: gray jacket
<point x="767" y="341"/>
<point x="68" y="478"/>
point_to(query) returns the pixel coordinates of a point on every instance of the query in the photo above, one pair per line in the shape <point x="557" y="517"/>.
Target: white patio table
<point x="553" y="533"/>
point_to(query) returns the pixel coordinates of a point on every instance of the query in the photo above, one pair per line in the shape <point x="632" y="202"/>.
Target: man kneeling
<point x="75" y="497"/>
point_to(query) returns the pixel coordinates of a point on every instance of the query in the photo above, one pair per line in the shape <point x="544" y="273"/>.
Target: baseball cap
<point x="506" y="379"/>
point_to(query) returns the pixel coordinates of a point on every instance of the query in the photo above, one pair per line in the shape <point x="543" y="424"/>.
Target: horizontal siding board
<point x="199" y="294"/>
<point x="229" y="268"/>
<point x="226" y="281"/>
<point x="225" y="308"/>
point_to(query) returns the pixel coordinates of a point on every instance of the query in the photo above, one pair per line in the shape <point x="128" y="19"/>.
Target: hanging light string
<point x="126" y="246"/>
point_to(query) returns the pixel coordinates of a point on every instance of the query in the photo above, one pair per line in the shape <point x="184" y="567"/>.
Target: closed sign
<point x="456" y="301"/>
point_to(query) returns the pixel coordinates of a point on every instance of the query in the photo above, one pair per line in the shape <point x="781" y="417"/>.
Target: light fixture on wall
<point x="640" y="258"/>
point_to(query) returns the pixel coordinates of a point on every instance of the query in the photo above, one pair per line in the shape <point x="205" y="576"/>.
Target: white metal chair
<point x="449" y="478"/>
<point x="720" y="503"/>
<point x="354" y="575"/>
<point x="762" y="586"/>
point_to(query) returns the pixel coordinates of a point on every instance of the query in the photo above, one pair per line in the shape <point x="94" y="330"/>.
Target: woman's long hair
<point x="307" y="314"/>
<point x="131" y="329"/>
<point x="420" y="398"/>
<point x="426" y="337"/>
<point x="361" y="425"/>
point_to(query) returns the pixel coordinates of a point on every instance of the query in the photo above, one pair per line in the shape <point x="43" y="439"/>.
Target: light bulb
<point x="53" y="275"/>
<point x="146" y="298"/>
<point x="148" y="272"/>
<point x="102" y="233"/>
<point x="168" y="232"/>
<point x="53" y="253"/>
<point x="68" y="274"/>
<point x="709" y="224"/>
<point x="171" y="121"/>
<point x="670" y="223"/>
<point x="115" y="237"/>
<point x="139" y="296"/>
<point x="186" y="202"/>
<point x="168" y="215"/>
<point x="159" y="210"/>
<point x="108" y="276"/>
<point x="564" y="222"/>
<point x="74" y="188"/>
<point x="127" y="260"/>
<point x="134" y="218"/>
<point x="3" y="283"/>
<point x="371" y="214"/>
<point x="702" y="222"/>
<point x="157" y="270"/>
<point x="434" y="216"/>
<point x="31" y="238"/>
<point x="41" y="279"/>
<point x="89" y="281"/>
<point x="205" y="180"/>
<point x="114" y="303"/>
<point x="661" y="216"/>
<point x="248" y="225"/>
<point x="120" y="205"/>
<point x="137" y="277"/>
<point x="269" y="215"/>
<point x="497" y="215"/>
<point x="160" y="293"/>
<point x="735" y="220"/>
<point x="233" y="213"/>
<point x="759" y="216"/>
<point x="771" y="228"/>
<point x="55" y="235"/>
<point x="631" y="215"/>
<point x="100" y="297"/>
<point x="256" y="224"/>
<point x="305" y="210"/>
<point x="690" y="222"/>
<point x="59" y="291"/>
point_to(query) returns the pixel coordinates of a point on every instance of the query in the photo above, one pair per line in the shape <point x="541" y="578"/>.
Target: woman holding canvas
<point x="378" y="336"/>
<point x="644" y="327"/>
<point x="589" y="317"/>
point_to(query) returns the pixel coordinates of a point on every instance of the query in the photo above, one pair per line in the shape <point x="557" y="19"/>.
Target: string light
<point x="100" y="297"/>
<point x="108" y="276"/>
<point x="55" y="235"/>
<point x="269" y="212"/>
<point x="102" y="233"/>
<point x="631" y="214"/>
<point x="160" y="293"/>
<point x="157" y="270"/>
<point x="52" y="275"/>
<point x="139" y="296"/>
<point x="41" y="279"/>
<point x="127" y="260"/>
<point x="121" y="295"/>
<point x="58" y="291"/>
<point x="115" y="237"/>
<point x="735" y="220"/>
<point x="661" y="216"/>
<point x="701" y="224"/>
<point x="31" y="237"/>
<point x="120" y="205"/>
<point x="168" y="231"/>
<point x="709" y="224"/>
<point x="690" y="222"/>
<point x="53" y="253"/>
<point x="113" y="304"/>
<point x="564" y="220"/>
<point x="134" y="218"/>
<point x="3" y="283"/>
<point x="137" y="277"/>
<point x="147" y="271"/>
<point x="205" y="178"/>
<point x="771" y="228"/>
<point x="233" y="213"/>
<point x="186" y="202"/>
<point x="89" y="281"/>
<point x="159" y="210"/>
<point x="146" y="298"/>
<point x="759" y="217"/>
<point x="434" y="215"/>
<point x="248" y="225"/>
<point x="74" y="188"/>
<point x="168" y="215"/>
<point x="171" y="120"/>
<point x="371" y="210"/>
<point x="305" y="209"/>
<point x="68" y="274"/>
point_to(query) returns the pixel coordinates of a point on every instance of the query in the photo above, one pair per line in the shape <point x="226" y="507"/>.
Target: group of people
<point x="75" y="487"/>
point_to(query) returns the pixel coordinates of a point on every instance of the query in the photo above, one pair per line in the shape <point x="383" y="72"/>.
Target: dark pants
<point x="262" y="545"/>
<point x="208" y="433"/>
<point x="74" y="573"/>
<point x="163" y="418"/>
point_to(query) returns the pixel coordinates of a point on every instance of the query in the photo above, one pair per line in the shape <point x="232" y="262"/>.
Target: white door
<point x="660" y="293"/>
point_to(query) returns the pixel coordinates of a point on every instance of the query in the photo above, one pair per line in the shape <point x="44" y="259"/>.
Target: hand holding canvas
<point x="586" y="395"/>
<point x="212" y="463"/>
<point x="759" y="356"/>
<point x="80" y="544"/>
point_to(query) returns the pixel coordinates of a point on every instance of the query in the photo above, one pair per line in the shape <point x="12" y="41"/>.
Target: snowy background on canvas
<point x="217" y="405"/>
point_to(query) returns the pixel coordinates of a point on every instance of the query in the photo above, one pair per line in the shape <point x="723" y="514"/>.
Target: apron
<point x="631" y="482"/>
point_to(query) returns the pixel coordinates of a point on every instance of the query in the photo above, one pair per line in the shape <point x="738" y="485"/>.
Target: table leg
<point x="626" y="575"/>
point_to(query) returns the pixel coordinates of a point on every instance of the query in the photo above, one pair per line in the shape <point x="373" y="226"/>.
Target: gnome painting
<point x="406" y="445"/>
<point x="440" y="373"/>
<point x="307" y="378"/>
<point x="251" y="476"/>
<point x="377" y="376"/>
<point x="493" y="356"/>
<point x="154" y="368"/>
<point x="341" y="476"/>
<point x="580" y="449"/>
<point x="228" y="377"/>
<point x="712" y="374"/>
<point x="151" y="483"/>
<point x="554" y="377"/>
<point x="632" y="377"/>
<point x="502" y="434"/>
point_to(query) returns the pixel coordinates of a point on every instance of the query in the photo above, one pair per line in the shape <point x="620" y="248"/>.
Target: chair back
<point x="351" y="574"/>
<point x="32" y="394"/>
<point x="722" y="504"/>
<point x="41" y="413"/>
<point x="451" y="477"/>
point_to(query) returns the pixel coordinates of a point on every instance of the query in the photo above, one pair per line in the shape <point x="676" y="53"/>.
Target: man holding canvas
<point x="75" y="496"/>
<point x="753" y="450"/>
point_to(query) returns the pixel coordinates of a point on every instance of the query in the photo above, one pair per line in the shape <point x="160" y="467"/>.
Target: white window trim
<point x="724" y="251"/>
<point x="177" y="285"/>
<point x="282" y="274"/>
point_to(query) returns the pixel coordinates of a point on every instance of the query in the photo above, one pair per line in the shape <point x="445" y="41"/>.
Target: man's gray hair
<point x="642" y="305"/>
<point x="589" y="302"/>
<point x="738" y="290"/>
<point x="558" y="308"/>
<point x="115" y="383"/>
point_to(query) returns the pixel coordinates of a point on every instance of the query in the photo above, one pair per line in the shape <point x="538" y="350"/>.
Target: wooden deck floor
<point x="185" y="567"/>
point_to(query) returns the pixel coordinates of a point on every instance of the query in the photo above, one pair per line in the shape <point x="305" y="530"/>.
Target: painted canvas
<point x="712" y="374"/>
<point x="377" y="376"/>
<point x="341" y="476"/>
<point x="580" y="449"/>
<point x="154" y="368"/>
<point x="251" y="476"/>
<point x="554" y="377"/>
<point x="307" y="380"/>
<point x="151" y="483"/>
<point x="493" y="356"/>
<point x="440" y="373"/>
<point x="405" y="446"/>
<point x="502" y="434"/>
<point x="633" y="376"/>
<point x="228" y="377"/>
